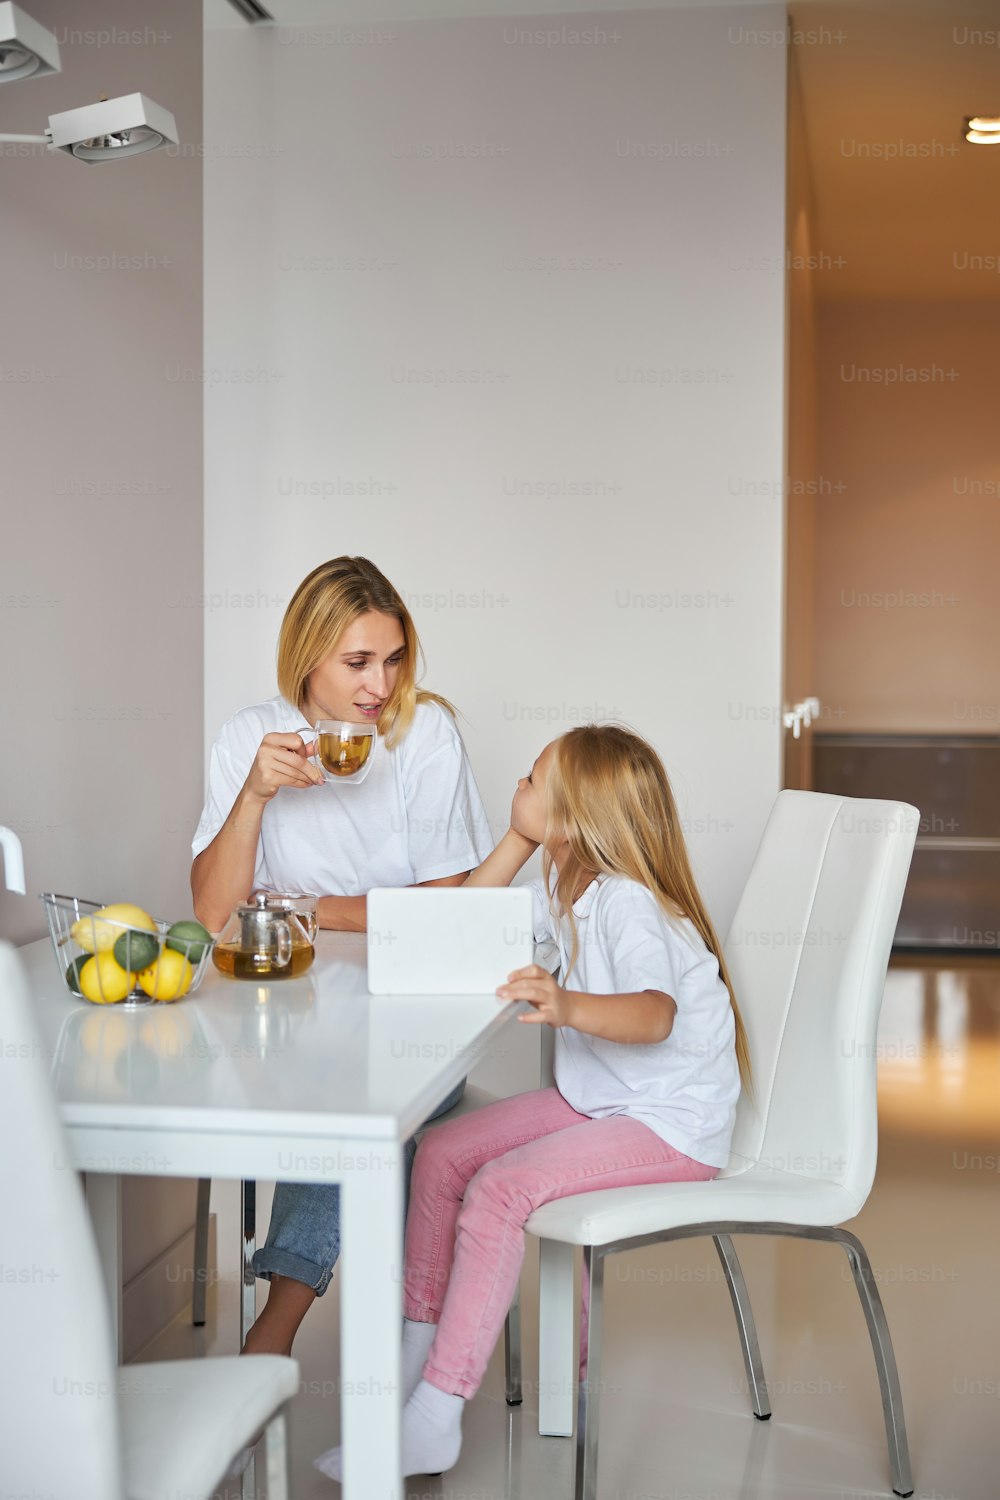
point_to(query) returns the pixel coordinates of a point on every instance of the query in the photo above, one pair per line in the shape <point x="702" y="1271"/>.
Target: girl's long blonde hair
<point x="324" y="604"/>
<point x="608" y="795"/>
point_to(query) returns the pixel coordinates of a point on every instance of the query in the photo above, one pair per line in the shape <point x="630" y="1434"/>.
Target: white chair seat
<point x="755" y="1196"/>
<point x="183" y="1420"/>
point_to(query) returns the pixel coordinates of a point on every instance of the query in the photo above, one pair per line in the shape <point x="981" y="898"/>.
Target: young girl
<point x="649" y="1058"/>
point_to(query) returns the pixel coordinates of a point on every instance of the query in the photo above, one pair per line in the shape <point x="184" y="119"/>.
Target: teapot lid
<point x="259" y="903"/>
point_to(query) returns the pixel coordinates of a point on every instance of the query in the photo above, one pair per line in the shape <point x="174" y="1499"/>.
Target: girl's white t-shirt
<point x="416" y="816"/>
<point x="684" y="1088"/>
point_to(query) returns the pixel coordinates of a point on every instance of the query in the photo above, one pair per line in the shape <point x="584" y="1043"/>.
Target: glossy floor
<point x="676" y="1421"/>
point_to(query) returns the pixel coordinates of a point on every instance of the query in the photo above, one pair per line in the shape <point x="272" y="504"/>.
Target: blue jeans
<point x="303" y="1239"/>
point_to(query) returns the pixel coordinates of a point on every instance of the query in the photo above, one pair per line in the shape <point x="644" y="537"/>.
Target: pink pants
<point x="476" y="1181"/>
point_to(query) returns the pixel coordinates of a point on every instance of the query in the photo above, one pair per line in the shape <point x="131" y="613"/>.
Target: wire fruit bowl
<point x="118" y="945"/>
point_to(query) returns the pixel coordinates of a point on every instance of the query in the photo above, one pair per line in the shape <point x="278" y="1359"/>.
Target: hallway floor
<point x="676" y="1421"/>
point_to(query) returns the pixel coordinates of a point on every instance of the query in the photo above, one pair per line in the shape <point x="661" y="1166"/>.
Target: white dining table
<point x="300" y="1080"/>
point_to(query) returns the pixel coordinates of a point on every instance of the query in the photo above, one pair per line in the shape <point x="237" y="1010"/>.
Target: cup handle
<point x="284" y="937"/>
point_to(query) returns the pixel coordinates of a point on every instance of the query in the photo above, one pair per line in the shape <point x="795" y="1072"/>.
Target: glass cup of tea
<point x="345" y="751"/>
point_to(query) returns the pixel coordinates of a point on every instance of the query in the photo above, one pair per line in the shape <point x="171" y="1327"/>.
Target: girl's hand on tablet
<point x="551" y="1003"/>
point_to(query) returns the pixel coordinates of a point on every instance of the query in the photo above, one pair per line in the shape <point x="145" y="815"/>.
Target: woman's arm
<point x="350" y="913"/>
<point x="222" y="874"/>
<point x="643" y="1018"/>
<point x="500" y="867"/>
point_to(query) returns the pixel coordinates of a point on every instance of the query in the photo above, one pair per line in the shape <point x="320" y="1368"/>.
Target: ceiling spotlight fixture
<point x="27" y="50"/>
<point x="107" y="131"/>
<point x="112" y="129"/>
<point x="983" y="130"/>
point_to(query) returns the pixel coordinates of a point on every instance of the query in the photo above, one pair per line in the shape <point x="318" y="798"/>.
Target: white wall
<point x="467" y="275"/>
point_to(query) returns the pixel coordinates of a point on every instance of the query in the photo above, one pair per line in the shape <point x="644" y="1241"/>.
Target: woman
<point x="347" y="650"/>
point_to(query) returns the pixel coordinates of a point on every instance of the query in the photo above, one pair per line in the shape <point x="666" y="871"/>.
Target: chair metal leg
<point x="512" y="1351"/>
<point x="871" y="1302"/>
<point x="557" y="1372"/>
<point x="588" y="1413"/>
<point x="885" y="1360"/>
<point x="201" y="1252"/>
<point x="248" y="1290"/>
<point x="746" y="1325"/>
<point x="276" y="1447"/>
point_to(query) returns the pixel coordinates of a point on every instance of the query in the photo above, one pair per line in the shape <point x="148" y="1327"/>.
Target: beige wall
<point x="100" y="571"/>
<point x="908" y="592"/>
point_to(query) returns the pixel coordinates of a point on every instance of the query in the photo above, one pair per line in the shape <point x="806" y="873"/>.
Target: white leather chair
<point x="807" y="952"/>
<point x="74" y="1426"/>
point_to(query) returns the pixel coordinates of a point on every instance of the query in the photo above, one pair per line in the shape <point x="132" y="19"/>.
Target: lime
<point x="73" y="972"/>
<point x="190" y="938"/>
<point x="104" y="981"/>
<point x="168" y="978"/>
<point x="135" y="950"/>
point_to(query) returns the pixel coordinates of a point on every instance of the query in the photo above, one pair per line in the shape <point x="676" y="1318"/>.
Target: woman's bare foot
<point x="287" y="1303"/>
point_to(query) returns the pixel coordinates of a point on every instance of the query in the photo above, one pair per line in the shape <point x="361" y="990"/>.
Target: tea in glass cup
<point x="345" y="751"/>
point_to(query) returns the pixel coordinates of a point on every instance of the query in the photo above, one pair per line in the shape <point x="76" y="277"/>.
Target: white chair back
<point x="807" y="953"/>
<point x="58" y="1380"/>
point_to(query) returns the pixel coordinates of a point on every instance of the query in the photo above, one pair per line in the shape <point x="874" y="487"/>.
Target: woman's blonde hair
<point x="321" y="609"/>
<point x="608" y="795"/>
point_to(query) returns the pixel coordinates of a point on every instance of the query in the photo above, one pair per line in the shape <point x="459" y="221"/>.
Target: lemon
<point x="96" y="936"/>
<point x="103" y="981"/>
<point x="169" y="978"/>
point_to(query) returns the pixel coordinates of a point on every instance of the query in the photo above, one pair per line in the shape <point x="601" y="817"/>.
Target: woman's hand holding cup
<point x="282" y="760"/>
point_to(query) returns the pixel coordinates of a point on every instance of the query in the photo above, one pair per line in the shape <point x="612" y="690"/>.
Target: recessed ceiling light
<point x="983" y="130"/>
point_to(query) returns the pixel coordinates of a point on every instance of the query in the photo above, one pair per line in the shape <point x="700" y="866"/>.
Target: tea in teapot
<point x="264" y="939"/>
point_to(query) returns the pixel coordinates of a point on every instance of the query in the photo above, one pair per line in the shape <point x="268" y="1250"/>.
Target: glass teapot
<point x="264" y="939"/>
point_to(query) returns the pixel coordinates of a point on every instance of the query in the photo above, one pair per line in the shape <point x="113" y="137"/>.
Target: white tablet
<point x="447" y="940"/>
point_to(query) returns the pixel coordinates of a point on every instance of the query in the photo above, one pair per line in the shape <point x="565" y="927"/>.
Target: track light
<point x="107" y="131"/>
<point x="112" y="129"/>
<point x="27" y="50"/>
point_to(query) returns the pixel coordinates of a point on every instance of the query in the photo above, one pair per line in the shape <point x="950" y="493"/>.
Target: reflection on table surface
<point x="318" y="1044"/>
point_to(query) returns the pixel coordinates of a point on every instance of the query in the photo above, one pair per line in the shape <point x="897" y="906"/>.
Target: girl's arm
<point x="643" y="1018"/>
<point x="500" y="867"/>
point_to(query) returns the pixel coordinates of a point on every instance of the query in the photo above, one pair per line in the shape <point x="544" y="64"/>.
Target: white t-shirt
<point x="416" y="816"/>
<point x="686" y="1087"/>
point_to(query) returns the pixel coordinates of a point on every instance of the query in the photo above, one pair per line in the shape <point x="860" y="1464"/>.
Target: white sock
<point x="417" y="1341"/>
<point x="432" y="1435"/>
